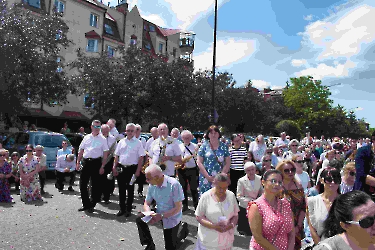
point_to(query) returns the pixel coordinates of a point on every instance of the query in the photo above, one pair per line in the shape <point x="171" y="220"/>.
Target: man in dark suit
<point x="364" y="165"/>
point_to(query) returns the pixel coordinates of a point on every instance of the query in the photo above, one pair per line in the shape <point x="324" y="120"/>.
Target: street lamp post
<point x="214" y="67"/>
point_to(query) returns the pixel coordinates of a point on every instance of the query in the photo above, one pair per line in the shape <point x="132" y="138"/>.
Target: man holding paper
<point x="168" y="195"/>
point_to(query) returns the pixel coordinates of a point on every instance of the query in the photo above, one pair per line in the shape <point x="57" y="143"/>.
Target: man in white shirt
<point x="112" y="126"/>
<point x="108" y="185"/>
<point x="65" y="167"/>
<point x="42" y="158"/>
<point x="165" y="150"/>
<point x="282" y="142"/>
<point x="189" y="175"/>
<point x="94" y="151"/>
<point x="154" y="136"/>
<point x="64" y="150"/>
<point x="128" y="162"/>
<point x="175" y="133"/>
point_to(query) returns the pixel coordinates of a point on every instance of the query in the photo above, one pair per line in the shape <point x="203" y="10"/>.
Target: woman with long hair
<point x="294" y="192"/>
<point x="271" y="218"/>
<point x="319" y="206"/>
<point x="213" y="157"/>
<point x="350" y="223"/>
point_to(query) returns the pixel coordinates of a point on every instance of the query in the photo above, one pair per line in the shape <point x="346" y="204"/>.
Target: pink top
<point x="277" y="223"/>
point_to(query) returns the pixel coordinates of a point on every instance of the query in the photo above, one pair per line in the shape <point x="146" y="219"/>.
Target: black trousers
<point x="16" y="183"/>
<point x="90" y="170"/>
<point x="123" y="180"/>
<point x="171" y="237"/>
<point x="189" y="175"/>
<point x="141" y="181"/>
<point x="235" y="175"/>
<point x="42" y="179"/>
<point x="243" y="222"/>
<point x="108" y="185"/>
<point x="60" y="178"/>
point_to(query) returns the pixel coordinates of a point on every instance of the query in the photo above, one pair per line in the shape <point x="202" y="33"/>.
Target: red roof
<point x="168" y="32"/>
<point x="92" y="34"/>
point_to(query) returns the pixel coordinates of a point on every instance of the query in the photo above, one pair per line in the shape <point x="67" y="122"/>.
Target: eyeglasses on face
<point x="352" y="173"/>
<point x="267" y="160"/>
<point x="290" y="170"/>
<point x="64" y="143"/>
<point x="96" y="126"/>
<point x="300" y="161"/>
<point x="29" y="150"/>
<point x="2" y="155"/>
<point x="364" y="223"/>
<point x="330" y="179"/>
<point x="274" y="182"/>
<point x="293" y="145"/>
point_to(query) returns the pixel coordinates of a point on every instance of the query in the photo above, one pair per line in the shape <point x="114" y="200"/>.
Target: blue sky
<point x="270" y="41"/>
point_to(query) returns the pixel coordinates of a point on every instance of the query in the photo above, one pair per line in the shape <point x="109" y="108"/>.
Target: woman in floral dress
<point x="29" y="167"/>
<point x="213" y="157"/>
<point x="5" y="174"/>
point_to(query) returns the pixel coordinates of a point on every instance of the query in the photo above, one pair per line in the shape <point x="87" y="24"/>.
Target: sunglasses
<point x="14" y="156"/>
<point x="96" y="126"/>
<point x="274" y="182"/>
<point x="351" y="173"/>
<point x="330" y="179"/>
<point x="270" y="152"/>
<point x="364" y="223"/>
<point x="2" y="155"/>
<point x="301" y="161"/>
<point x="28" y="150"/>
<point x="289" y="170"/>
<point x="266" y="160"/>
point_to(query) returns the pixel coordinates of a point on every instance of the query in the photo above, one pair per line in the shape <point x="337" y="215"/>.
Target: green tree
<point x="290" y="127"/>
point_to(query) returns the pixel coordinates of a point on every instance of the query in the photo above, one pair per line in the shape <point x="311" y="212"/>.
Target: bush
<point x="290" y="127"/>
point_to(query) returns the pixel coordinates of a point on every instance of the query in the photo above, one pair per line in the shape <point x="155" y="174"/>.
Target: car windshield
<point x="48" y="140"/>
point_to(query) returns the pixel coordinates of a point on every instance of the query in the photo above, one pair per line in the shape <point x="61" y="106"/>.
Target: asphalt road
<point x="58" y="225"/>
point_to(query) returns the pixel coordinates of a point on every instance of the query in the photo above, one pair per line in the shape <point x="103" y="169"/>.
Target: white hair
<point x="105" y="126"/>
<point x="176" y="129"/>
<point x="71" y="157"/>
<point x="112" y="120"/>
<point x="163" y="124"/>
<point x="294" y="140"/>
<point x="186" y="132"/>
<point x="154" y="170"/>
<point x="95" y="121"/>
<point x="39" y="147"/>
<point x="137" y="126"/>
<point x="130" y="125"/>
<point x="249" y="164"/>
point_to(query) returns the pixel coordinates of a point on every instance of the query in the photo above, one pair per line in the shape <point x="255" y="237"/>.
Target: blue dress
<point x="211" y="164"/>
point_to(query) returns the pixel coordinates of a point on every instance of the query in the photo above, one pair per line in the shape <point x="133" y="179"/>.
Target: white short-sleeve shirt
<point x="185" y="153"/>
<point x="93" y="146"/>
<point x="129" y="151"/>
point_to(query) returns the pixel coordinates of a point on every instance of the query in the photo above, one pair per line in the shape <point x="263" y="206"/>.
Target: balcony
<point x="187" y="42"/>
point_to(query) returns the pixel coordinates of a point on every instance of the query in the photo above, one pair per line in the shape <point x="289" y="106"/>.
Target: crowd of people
<point x="285" y="194"/>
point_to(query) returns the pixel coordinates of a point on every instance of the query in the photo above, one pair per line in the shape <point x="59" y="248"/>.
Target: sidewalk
<point x="58" y="225"/>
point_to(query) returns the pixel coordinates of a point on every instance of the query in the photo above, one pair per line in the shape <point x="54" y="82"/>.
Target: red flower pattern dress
<point x="4" y="183"/>
<point x="277" y="223"/>
<point x="29" y="188"/>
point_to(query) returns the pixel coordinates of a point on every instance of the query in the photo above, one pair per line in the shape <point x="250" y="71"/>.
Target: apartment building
<point x="96" y="27"/>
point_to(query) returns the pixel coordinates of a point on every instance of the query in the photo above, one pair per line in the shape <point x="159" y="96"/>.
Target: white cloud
<point x="260" y="84"/>
<point x="308" y="17"/>
<point x="343" y="36"/>
<point x="188" y="11"/>
<point x="227" y="52"/>
<point x="298" y="62"/>
<point x="277" y="87"/>
<point x="156" y="19"/>
<point x="323" y="70"/>
<point x="359" y="109"/>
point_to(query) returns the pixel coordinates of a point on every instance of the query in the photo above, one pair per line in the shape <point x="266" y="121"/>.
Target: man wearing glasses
<point x="129" y="155"/>
<point x="64" y="150"/>
<point x="365" y="168"/>
<point x="94" y="151"/>
<point x="42" y="158"/>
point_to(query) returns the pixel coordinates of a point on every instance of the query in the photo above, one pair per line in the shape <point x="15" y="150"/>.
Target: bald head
<point x="154" y="132"/>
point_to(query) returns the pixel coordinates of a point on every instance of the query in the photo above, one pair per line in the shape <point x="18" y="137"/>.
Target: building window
<point x="133" y="41"/>
<point x="92" y="45"/>
<point x="152" y="28"/>
<point x="174" y="52"/>
<point x="161" y="48"/>
<point x="148" y="45"/>
<point x="108" y="29"/>
<point x="110" y="51"/>
<point x="94" y="19"/>
<point x="33" y="3"/>
<point x="59" y="68"/>
<point x="59" y="6"/>
<point x="88" y="101"/>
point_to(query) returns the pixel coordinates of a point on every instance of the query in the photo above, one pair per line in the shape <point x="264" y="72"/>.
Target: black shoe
<point x="90" y="210"/>
<point x="184" y="231"/>
<point x="71" y="189"/>
<point x="127" y="214"/>
<point x="150" y="246"/>
<point x="83" y="209"/>
<point x="120" y="213"/>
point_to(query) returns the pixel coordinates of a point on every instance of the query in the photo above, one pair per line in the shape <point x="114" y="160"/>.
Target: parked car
<point x="75" y="139"/>
<point x="49" y="140"/>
